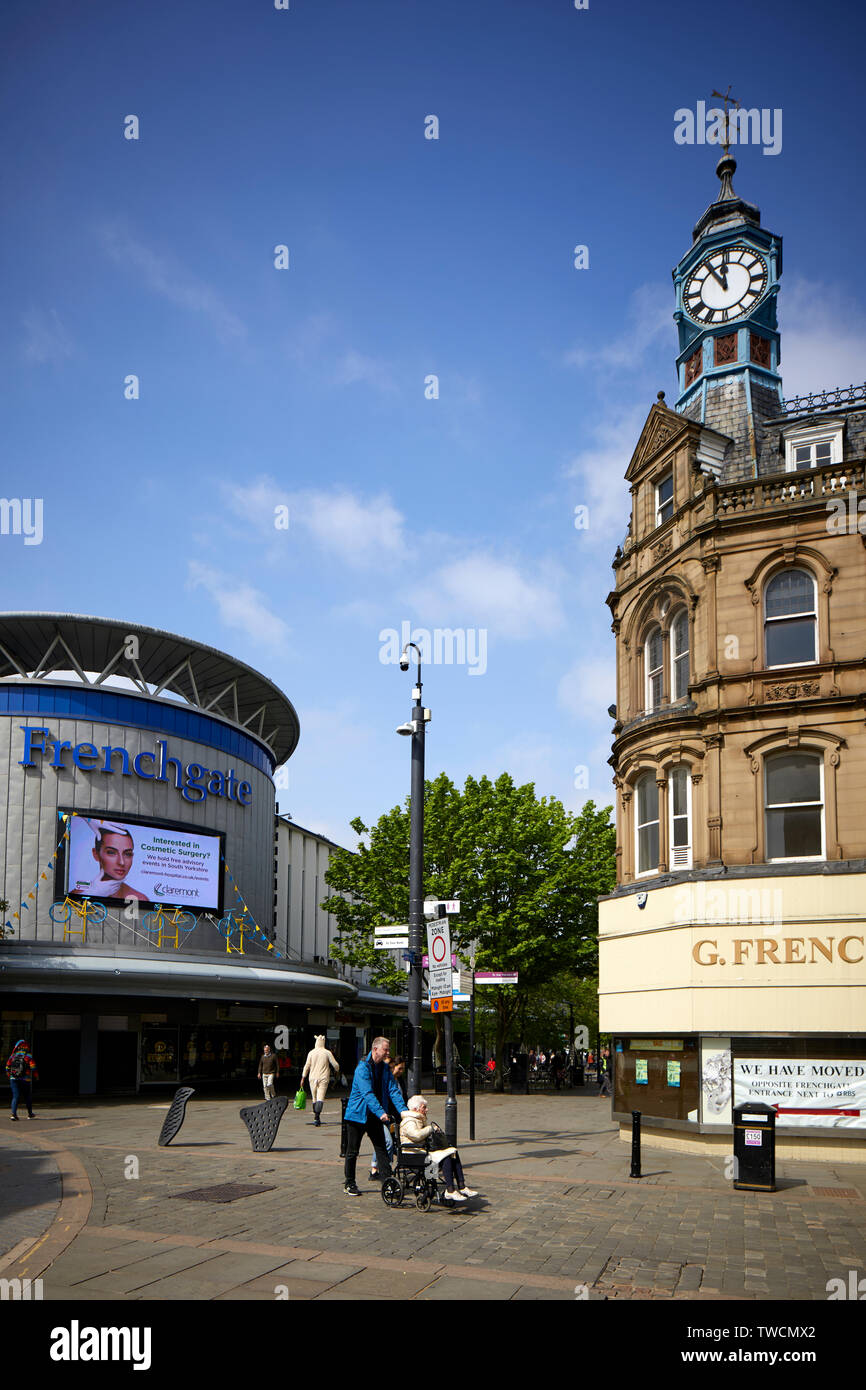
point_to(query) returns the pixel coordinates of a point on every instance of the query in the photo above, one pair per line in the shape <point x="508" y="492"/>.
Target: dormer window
<point x="815" y="447"/>
<point x="664" y="498"/>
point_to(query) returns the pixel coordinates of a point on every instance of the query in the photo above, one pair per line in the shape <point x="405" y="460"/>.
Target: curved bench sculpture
<point x="176" y="1115"/>
<point x="263" y="1121"/>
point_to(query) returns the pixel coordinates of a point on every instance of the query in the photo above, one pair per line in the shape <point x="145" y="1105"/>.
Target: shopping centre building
<point x="137" y="771"/>
<point x="733" y="949"/>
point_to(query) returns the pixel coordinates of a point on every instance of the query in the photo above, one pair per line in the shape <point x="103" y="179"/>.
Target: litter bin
<point x="755" y="1147"/>
<point x="440" y="1083"/>
<point x="579" y="1074"/>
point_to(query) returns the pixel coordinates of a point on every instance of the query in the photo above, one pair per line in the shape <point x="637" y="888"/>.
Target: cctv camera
<point x="404" y="662"/>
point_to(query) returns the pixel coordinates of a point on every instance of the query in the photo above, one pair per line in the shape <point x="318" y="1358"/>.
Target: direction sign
<point x="496" y="977"/>
<point x="395" y="929"/>
<point x="391" y="943"/>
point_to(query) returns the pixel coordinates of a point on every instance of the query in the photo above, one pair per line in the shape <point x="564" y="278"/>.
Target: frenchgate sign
<point x="194" y="782"/>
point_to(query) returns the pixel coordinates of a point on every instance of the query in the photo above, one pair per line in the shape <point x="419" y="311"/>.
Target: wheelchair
<point x="415" y="1173"/>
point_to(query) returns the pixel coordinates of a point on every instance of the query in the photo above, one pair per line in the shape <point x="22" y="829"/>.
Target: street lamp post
<point x="415" y="729"/>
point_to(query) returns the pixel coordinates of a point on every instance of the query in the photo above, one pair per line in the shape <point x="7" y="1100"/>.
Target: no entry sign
<point x="439" y="955"/>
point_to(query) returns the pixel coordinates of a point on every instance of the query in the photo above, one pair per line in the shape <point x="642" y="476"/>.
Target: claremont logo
<point x="77" y="1343"/>
<point x="16" y="1289"/>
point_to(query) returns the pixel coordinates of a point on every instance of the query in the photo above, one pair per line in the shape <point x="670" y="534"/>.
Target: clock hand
<point x="719" y="275"/>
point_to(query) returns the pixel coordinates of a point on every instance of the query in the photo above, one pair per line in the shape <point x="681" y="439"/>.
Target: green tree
<point x="526" y="871"/>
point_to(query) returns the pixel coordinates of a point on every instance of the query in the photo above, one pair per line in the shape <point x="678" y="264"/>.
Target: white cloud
<point x="46" y="338"/>
<point x="354" y="367"/>
<point x="600" y="472"/>
<point x="588" y="687"/>
<point x="240" y="605"/>
<point x="650" y="322"/>
<point x="173" y="282"/>
<point x="823" y="338"/>
<point x="488" y="592"/>
<point x="362" y="532"/>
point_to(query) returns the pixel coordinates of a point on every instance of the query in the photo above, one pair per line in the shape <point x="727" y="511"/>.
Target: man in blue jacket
<point x="373" y="1089"/>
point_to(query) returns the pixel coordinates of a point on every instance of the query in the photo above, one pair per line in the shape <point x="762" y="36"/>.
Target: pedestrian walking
<point x="318" y="1068"/>
<point x="604" y="1076"/>
<point x="21" y="1072"/>
<point x="268" y="1071"/>
<point x="367" y="1110"/>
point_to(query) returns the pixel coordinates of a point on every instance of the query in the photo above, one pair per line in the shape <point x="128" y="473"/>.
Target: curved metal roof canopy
<point x="32" y="645"/>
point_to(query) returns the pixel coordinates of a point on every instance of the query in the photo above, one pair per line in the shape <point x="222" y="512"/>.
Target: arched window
<point x="679" y="808"/>
<point x="654" y="667"/>
<point x="794" y="806"/>
<point x="790" y="619"/>
<point x="647" y="824"/>
<point x="680" y="656"/>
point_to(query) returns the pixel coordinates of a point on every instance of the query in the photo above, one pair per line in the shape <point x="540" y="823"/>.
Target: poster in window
<point x="640" y="1071"/>
<point x="674" y="1069"/>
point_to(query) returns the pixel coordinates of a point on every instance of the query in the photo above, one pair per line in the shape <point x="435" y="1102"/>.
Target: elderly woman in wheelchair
<point x="425" y="1162"/>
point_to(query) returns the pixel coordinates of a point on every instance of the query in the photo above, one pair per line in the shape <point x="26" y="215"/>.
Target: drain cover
<point x="836" y="1192"/>
<point x="225" y="1192"/>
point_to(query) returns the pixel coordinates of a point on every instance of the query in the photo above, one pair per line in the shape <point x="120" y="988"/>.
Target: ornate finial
<point x="726" y="97"/>
<point x="725" y="170"/>
<point x="661" y="395"/>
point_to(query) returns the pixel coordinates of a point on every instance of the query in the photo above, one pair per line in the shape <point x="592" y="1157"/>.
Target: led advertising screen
<point x="109" y="857"/>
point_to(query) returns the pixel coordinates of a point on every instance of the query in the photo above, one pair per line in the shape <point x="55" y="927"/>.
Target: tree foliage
<point x="527" y="873"/>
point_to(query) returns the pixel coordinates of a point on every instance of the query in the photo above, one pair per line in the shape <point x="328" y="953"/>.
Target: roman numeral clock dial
<point x="725" y="285"/>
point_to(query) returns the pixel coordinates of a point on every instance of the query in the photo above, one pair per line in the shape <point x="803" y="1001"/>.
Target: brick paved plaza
<point x="557" y="1211"/>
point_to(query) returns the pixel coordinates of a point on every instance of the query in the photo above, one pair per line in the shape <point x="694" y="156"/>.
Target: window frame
<point x="812" y="660"/>
<point x="668" y="475"/>
<point x="649" y="706"/>
<point x="643" y="825"/>
<point x="810" y="438"/>
<point x="681" y="614"/>
<point x="817" y="756"/>
<point x="684" y="770"/>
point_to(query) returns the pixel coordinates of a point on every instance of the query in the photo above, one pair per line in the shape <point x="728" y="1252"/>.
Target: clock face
<point x="725" y="285"/>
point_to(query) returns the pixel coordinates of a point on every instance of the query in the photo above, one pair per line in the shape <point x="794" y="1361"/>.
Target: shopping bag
<point x="301" y="1100"/>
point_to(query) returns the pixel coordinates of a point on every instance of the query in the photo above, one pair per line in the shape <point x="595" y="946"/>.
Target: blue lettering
<point x="137" y="761"/>
<point x="194" y="771"/>
<point x="57" y="760"/>
<point x="245" y="793"/>
<point x="29" y="750"/>
<point x="164" y="762"/>
<point x="84" y="750"/>
<point x="217" y="784"/>
<point x="231" y="782"/>
<point x="109" y="754"/>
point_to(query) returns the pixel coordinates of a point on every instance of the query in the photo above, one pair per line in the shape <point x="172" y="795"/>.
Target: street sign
<point x="425" y="962"/>
<point x="398" y="929"/>
<point x="432" y="906"/>
<point x="496" y="977"/>
<point x="391" y="943"/>
<point x="442" y="1006"/>
<point x="439" y="953"/>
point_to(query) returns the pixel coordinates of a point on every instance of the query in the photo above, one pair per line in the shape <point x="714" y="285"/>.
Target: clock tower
<point x="728" y="363"/>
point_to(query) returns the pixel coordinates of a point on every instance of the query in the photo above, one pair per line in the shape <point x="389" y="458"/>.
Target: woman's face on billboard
<point x="114" y="855"/>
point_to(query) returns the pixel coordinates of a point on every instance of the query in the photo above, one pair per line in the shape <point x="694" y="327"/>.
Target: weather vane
<point x="726" y="97"/>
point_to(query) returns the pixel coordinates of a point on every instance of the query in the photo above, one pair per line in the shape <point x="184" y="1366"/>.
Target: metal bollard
<point x="635" y="1144"/>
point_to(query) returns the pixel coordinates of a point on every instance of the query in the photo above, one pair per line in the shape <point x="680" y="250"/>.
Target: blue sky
<point x="304" y="388"/>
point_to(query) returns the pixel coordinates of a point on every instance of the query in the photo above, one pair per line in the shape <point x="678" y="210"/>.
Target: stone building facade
<point x="732" y="950"/>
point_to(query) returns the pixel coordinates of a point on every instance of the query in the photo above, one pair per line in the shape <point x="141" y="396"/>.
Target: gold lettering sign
<point x="785" y="950"/>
